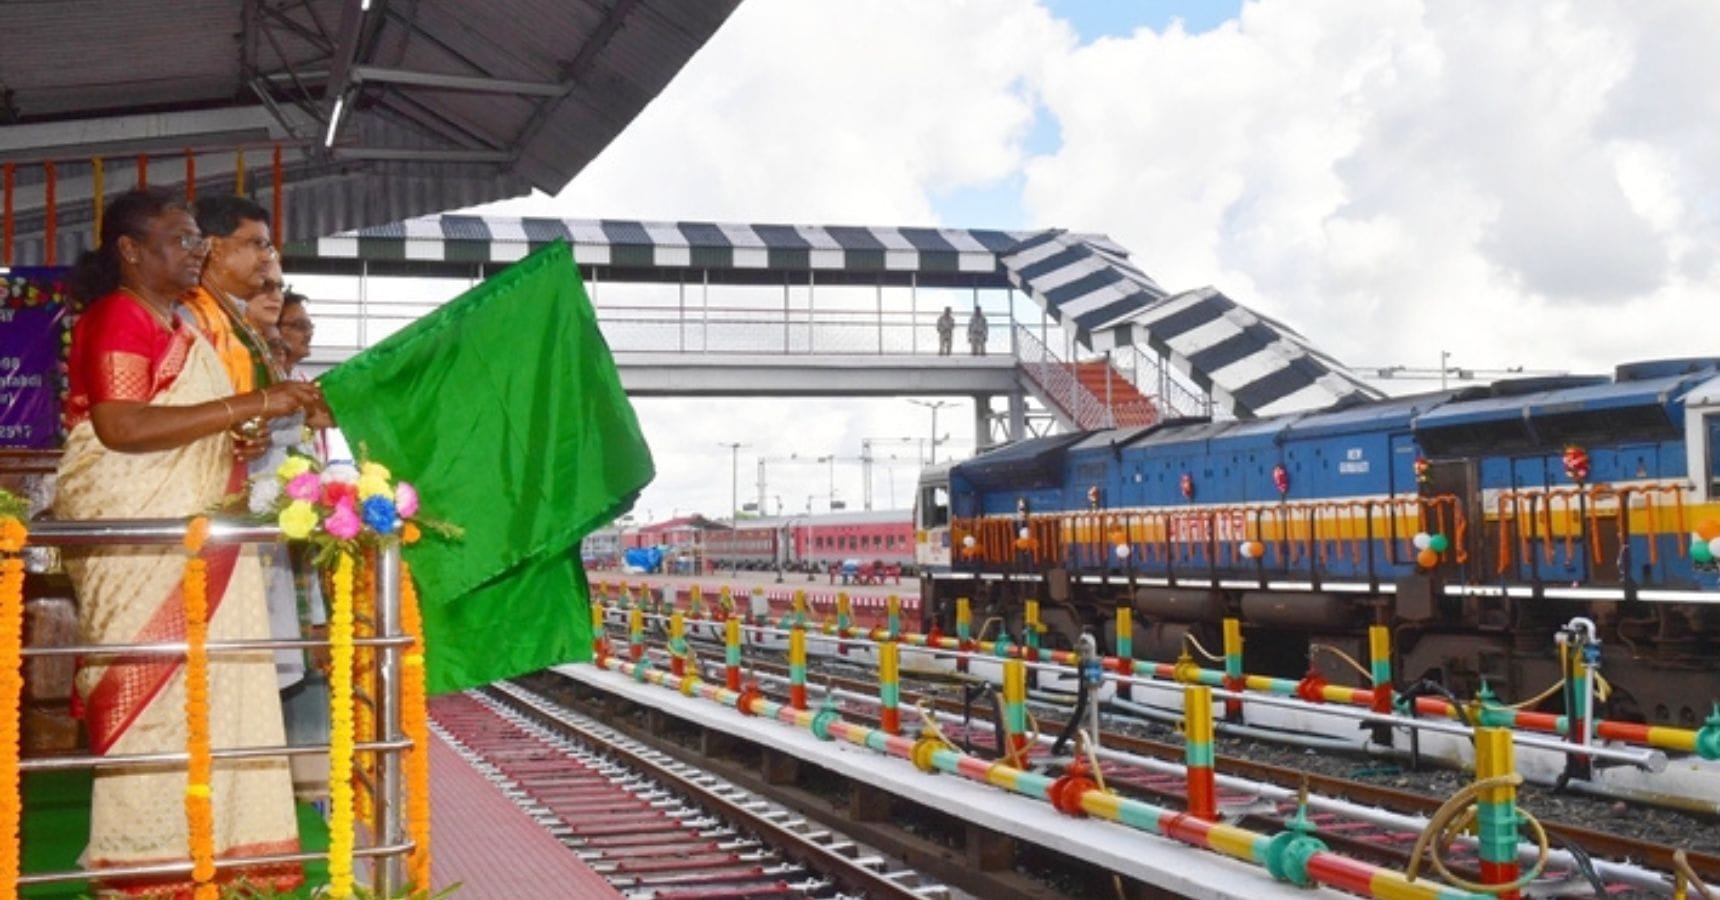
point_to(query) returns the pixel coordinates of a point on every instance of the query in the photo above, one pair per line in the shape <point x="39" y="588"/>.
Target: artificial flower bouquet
<point x="340" y="506"/>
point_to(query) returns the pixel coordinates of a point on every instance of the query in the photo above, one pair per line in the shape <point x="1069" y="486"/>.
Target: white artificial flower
<point x="343" y="473"/>
<point x="264" y="492"/>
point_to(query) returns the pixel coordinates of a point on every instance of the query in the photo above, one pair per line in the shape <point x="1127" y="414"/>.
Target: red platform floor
<point x="489" y="846"/>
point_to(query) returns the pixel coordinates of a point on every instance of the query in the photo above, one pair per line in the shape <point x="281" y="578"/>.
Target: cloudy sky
<point x="1525" y="184"/>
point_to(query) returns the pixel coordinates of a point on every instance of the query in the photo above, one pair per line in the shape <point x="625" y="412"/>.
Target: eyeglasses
<point x="261" y="245"/>
<point x="192" y="242"/>
<point x="305" y="327"/>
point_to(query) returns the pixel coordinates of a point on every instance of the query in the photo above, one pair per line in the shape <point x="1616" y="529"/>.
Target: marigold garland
<point x="340" y="825"/>
<point x="364" y="780"/>
<point x="12" y="538"/>
<point x="199" y="809"/>
<point x="415" y="723"/>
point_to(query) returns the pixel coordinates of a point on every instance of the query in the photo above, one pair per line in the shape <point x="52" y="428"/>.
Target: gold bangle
<point x="229" y="408"/>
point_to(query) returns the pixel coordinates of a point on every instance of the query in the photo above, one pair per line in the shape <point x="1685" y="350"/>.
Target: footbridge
<point x="1073" y="332"/>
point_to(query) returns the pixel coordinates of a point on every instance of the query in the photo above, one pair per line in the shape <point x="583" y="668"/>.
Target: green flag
<point x="505" y="410"/>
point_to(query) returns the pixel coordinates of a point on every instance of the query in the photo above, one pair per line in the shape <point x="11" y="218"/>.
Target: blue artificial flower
<point x="380" y="515"/>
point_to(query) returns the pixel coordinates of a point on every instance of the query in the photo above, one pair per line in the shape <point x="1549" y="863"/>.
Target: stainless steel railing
<point x="389" y="844"/>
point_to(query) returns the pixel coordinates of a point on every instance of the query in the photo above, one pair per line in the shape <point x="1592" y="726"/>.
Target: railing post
<point x="636" y="633"/>
<point x="1015" y="711"/>
<point x="890" y="686"/>
<point x="732" y="653"/>
<point x="1125" y="628"/>
<point x="797" y="666"/>
<point x="1197" y="748"/>
<point x="1234" y="679"/>
<point x="1496" y="809"/>
<point x="388" y="826"/>
<point x="964" y="632"/>
<point x="677" y="644"/>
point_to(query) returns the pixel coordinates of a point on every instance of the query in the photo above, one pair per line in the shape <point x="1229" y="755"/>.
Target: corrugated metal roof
<point x="160" y="76"/>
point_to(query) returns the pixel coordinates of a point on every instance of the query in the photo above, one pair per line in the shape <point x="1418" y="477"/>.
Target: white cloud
<point x="817" y="113"/>
<point x="1519" y="184"/>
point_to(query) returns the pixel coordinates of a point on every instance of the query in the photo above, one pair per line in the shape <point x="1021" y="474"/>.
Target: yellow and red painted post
<point x="964" y="632"/>
<point x="695" y="602"/>
<point x="1380" y="666"/>
<point x="1197" y="747"/>
<point x="797" y="666"/>
<point x="1030" y="639"/>
<point x="732" y="653"/>
<point x="844" y="612"/>
<point x="1234" y="677"/>
<point x="1496" y="809"/>
<point x="677" y="645"/>
<point x="725" y="603"/>
<point x="799" y="608"/>
<point x="626" y="596"/>
<point x="1015" y="708"/>
<point x="636" y="634"/>
<point x="890" y="686"/>
<point x="1125" y="628"/>
<point x="893" y="616"/>
<point x="599" y="637"/>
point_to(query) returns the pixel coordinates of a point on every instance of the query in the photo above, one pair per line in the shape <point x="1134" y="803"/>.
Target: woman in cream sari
<point x="150" y="410"/>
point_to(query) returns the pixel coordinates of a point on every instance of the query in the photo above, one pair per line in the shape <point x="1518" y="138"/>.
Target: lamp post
<point x="831" y="459"/>
<point x="934" y="406"/>
<point x="734" y="479"/>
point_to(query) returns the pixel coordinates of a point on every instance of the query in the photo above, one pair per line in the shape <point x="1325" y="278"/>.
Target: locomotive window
<point x="934" y="506"/>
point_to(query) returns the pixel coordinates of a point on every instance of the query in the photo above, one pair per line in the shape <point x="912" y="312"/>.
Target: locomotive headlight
<point x="1123" y="551"/>
<point x="1025" y="534"/>
<point x="968" y="541"/>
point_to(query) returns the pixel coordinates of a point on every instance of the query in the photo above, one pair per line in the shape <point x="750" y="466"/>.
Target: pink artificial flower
<point x="343" y="523"/>
<point x="305" y="486"/>
<point x="405" y="500"/>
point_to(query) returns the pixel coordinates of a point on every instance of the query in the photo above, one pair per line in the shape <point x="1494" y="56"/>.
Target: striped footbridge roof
<point x="1086" y="283"/>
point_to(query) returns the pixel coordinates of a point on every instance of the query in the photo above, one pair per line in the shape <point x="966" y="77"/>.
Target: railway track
<point x="1385" y="839"/>
<point x="653" y="826"/>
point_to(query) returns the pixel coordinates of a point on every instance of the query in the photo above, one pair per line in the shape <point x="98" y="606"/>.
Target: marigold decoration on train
<point x="1186" y="484"/>
<point x="1422" y="470"/>
<point x="970" y="547"/>
<point x="1281" y="479"/>
<point x="1576" y="461"/>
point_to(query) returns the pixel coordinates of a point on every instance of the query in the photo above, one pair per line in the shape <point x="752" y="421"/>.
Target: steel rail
<point x="847" y="872"/>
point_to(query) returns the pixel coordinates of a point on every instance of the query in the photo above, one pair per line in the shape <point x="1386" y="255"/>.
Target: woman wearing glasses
<point x="153" y="413"/>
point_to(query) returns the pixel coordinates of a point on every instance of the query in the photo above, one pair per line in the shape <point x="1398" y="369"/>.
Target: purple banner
<point x="32" y="321"/>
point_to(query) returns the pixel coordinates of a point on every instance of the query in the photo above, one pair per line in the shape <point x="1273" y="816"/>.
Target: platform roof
<point x="443" y="103"/>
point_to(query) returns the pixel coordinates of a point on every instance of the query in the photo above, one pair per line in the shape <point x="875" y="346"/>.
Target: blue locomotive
<point x="1473" y="521"/>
